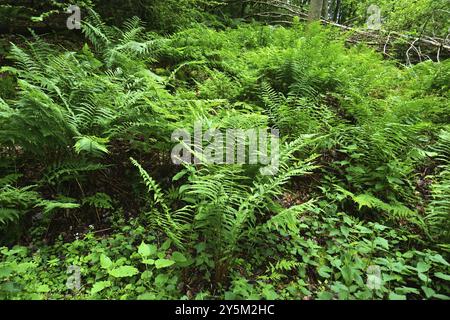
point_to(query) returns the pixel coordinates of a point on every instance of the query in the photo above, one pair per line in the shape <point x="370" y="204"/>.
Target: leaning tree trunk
<point x="315" y="10"/>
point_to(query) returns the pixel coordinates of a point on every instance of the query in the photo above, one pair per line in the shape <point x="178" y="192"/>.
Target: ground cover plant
<point x="93" y="207"/>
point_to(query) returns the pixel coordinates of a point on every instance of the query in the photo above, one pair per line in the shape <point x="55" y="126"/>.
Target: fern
<point x="439" y="207"/>
<point x="8" y="215"/>
<point x="227" y="208"/>
<point x="50" y="206"/>
<point x="288" y="220"/>
<point x="69" y="170"/>
<point x="438" y="210"/>
<point x="99" y="200"/>
<point x="15" y="202"/>
<point x="171" y="223"/>
<point x="9" y="179"/>
<point x="395" y="211"/>
<point x="93" y="145"/>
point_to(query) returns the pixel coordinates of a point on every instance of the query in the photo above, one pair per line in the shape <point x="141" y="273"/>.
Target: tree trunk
<point x="315" y="10"/>
<point x="325" y="9"/>
<point x="337" y="11"/>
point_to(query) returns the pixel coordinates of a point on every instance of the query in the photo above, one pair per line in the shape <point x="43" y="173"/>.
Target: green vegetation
<point x="87" y="182"/>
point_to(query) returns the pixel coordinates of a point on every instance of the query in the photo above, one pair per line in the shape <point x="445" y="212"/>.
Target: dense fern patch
<point x="87" y="183"/>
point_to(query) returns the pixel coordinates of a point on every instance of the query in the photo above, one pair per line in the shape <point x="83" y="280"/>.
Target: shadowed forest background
<point x="92" y="206"/>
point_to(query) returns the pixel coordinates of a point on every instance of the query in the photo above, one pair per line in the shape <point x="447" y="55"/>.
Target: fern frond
<point x="8" y="215"/>
<point x="173" y="225"/>
<point x="287" y="220"/>
<point x="438" y="210"/>
<point x="395" y="211"/>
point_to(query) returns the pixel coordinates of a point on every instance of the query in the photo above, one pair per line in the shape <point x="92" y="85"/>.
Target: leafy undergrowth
<point x="358" y="210"/>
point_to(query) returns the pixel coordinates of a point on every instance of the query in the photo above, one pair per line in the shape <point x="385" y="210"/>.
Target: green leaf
<point x="324" y="271"/>
<point x="422" y="267"/>
<point x="148" y="261"/>
<point x="423" y="277"/>
<point x="382" y="242"/>
<point x="105" y="261"/>
<point x="147" y="296"/>
<point x="394" y="296"/>
<point x="124" y="271"/>
<point x="50" y="206"/>
<point x="43" y="288"/>
<point x="269" y="294"/>
<point x="166" y="245"/>
<point x="178" y="257"/>
<point x="325" y="295"/>
<point x="99" y="286"/>
<point x="146" y="275"/>
<point x="428" y="292"/>
<point x="405" y="290"/>
<point x="161" y="279"/>
<point x="23" y="267"/>
<point x="163" y="263"/>
<point x="146" y="250"/>
<point x="347" y="274"/>
<point x="442" y="276"/>
<point x="179" y="175"/>
<point x="37" y="19"/>
<point x="345" y="230"/>
<point x="439" y="259"/>
<point x="91" y="144"/>
<point x="5" y="271"/>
